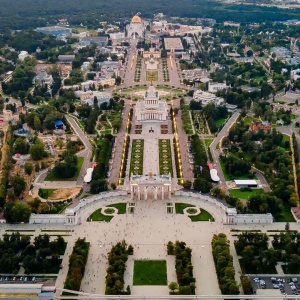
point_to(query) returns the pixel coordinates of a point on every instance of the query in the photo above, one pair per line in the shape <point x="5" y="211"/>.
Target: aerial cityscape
<point x="150" y="154"/>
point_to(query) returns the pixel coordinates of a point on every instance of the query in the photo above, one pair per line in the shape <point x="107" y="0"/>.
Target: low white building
<point x="23" y="55"/>
<point x="117" y="36"/>
<point x="89" y="96"/>
<point x="213" y="87"/>
<point x="43" y="78"/>
<point x="229" y="215"/>
<point x="72" y="214"/>
<point x="206" y="98"/>
<point x="295" y="74"/>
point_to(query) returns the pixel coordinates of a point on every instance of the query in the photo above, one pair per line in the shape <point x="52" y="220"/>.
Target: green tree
<point x="37" y="150"/>
<point x="18" y="184"/>
<point x="20" y="146"/>
<point x="28" y="167"/>
<point x="201" y="184"/>
<point x="20" y="212"/>
<point x="173" y="286"/>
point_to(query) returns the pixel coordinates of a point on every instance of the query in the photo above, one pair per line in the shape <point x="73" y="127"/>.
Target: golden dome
<point x="136" y="19"/>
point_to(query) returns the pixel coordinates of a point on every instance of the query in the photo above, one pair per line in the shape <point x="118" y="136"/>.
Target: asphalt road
<point x="86" y="153"/>
<point x="216" y="152"/>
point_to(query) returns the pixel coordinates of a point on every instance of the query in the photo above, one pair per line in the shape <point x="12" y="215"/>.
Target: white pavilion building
<point x="151" y="108"/>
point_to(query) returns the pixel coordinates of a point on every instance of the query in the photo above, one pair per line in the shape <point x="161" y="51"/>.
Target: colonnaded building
<point x="151" y="108"/>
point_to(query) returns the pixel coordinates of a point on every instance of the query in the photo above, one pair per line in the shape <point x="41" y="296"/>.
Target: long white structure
<point x="229" y="215"/>
<point x="72" y="214"/>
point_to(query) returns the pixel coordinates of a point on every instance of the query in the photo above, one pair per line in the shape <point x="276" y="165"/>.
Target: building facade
<point x="151" y="108"/>
<point x="136" y="28"/>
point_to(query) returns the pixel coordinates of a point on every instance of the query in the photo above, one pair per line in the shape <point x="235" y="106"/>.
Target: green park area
<point x="150" y="272"/>
<point x="52" y="177"/>
<point x="245" y="193"/>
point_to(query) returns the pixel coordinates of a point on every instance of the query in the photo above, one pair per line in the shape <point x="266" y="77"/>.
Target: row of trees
<point x="184" y="268"/>
<point x="77" y="263"/>
<point x="10" y="246"/>
<point x="102" y="156"/>
<point x="36" y="257"/>
<point x="114" y="279"/>
<point x="7" y="165"/>
<point x="296" y="160"/>
<point x="202" y="180"/>
<point x="224" y="265"/>
<point x="257" y="258"/>
<point x="287" y="244"/>
<point x="16" y="249"/>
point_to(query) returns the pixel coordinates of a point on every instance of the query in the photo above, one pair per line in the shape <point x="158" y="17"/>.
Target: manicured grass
<point x="208" y="142"/>
<point x="139" y="160"/>
<point x="98" y="216"/>
<point x="239" y="193"/>
<point x="52" y="177"/>
<point x="150" y="272"/>
<point x="179" y="207"/>
<point x="220" y="122"/>
<point x="286" y="138"/>
<point x="186" y="122"/>
<point x="287" y="215"/>
<point x="121" y="207"/>
<point x="46" y="193"/>
<point x="203" y="216"/>
<point x="165" y="168"/>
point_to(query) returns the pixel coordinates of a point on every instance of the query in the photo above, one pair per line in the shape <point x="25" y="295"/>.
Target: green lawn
<point x="150" y="272"/>
<point x="46" y="193"/>
<point x="203" y="216"/>
<point x="121" y="207"/>
<point x="179" y="207"/>
<point x="165" y="163"/>
<point x="239" y="193"/>
<point x="287" y="215"/>
<point x="136" y="163"/>
<point x="220" y="122"/>
<point x="208" y="142"/>
<point x="98" y="216"/>
<point x="52" y="177"/>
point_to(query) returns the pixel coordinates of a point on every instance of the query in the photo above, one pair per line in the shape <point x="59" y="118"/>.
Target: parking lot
<point x="286" y="284"/>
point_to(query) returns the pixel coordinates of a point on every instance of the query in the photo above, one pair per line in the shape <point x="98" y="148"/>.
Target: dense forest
<point x="24" y="14"/>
